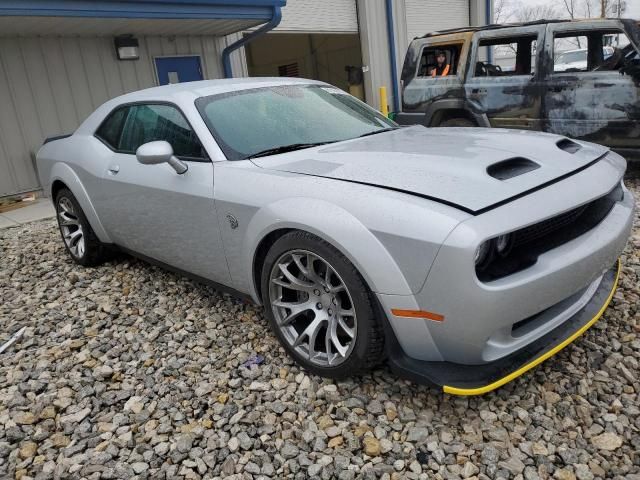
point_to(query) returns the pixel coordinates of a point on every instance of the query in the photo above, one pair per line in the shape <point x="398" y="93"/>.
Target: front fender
<point x="333" y="224"/>
<point x="64" y="173"/>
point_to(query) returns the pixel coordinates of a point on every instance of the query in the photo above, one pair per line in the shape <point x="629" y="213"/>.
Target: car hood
<point x="474" y="169"/>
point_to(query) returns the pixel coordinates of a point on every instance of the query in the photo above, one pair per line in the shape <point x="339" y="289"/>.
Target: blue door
<point x="178" y="69"/>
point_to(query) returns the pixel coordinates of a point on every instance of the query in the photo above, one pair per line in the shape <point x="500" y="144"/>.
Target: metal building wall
<point x="372" y="18"/>
<point x="424" y="16"/>
<point x="338" y="16"/>
<point x="48" y="85"/>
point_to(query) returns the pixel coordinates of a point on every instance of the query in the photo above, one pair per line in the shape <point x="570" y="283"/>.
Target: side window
<point x="592" y="51"/>
<point x="111" y="128"/>
<point x="147" y="123"/>
<point x="510" y="56"/>
<point x="439" y="61"/>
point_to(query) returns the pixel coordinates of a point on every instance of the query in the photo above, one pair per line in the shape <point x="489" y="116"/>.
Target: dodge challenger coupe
<point x="463" y="256"/>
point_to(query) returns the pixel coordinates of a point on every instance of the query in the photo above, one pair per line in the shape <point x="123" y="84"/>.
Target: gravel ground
<point x="127" y="371"/>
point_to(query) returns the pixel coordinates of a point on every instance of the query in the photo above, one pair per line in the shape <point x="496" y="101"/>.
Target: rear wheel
<point x="319" y="307"/>
<point x="457" y="122"/>
<point x="79" y="239"/>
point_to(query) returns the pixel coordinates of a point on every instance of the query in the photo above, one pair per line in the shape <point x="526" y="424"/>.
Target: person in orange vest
<point x="442" y="68"/>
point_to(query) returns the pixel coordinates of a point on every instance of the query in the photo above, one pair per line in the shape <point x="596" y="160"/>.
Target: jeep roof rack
<point x="497" y="26"/>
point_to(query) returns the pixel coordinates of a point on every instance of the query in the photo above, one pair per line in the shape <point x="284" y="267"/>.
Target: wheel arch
<point x="62" y="176"/>
<point x="334" y="225"/>
<point x="445" y="109"/>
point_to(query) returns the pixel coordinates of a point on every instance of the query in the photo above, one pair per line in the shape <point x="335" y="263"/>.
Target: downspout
<point x="487" y="20"/>
<point x="392" y="57"/>
<point x="226" y="53"/>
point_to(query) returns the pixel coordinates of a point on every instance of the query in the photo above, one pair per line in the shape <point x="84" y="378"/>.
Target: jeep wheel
<point x="457" y="122"/>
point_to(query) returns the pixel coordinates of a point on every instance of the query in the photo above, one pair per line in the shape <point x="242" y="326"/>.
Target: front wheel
<point x="79" y="239"/>
<point x="319" y="307"/>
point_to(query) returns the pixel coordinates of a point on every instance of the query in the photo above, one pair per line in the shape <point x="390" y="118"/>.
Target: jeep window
<point x="510" y="57"/>
<point x="591" y="51"/>
<point x="428" y="60"/>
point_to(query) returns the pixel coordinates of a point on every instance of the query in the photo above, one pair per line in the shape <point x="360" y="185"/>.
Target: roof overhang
<point x="141" y="17"/>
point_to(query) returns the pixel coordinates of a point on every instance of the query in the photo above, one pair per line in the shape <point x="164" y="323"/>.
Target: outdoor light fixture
<point x="127" y="47"/>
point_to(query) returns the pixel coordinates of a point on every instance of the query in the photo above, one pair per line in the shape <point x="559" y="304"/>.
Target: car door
<point x="503" y="79"/>
<point x="592" y="101"/>
<point x="152" y="210"/>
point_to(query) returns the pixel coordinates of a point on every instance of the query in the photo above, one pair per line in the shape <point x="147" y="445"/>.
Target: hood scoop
<point x="568" y="146"/>
<point x="513" y="167"/>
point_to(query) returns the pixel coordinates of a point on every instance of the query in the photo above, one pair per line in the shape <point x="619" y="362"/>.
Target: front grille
<point x="532" y="241"/>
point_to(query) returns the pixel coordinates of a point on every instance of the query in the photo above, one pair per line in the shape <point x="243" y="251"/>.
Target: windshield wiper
<point x="286" y="148"/>
<point x="382" y="130"/>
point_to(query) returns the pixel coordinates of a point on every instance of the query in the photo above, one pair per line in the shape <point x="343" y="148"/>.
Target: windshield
<point x="571" y="57"/>
<point x="247" y="122"/>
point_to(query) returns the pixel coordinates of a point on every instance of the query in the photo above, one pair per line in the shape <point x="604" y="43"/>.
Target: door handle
<point x="114" y="169"/>
<point x="478" y="91"/>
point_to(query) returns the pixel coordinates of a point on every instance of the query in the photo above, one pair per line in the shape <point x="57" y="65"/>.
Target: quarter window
<point x="111" y="128"/>
<point x="147" y="123"/>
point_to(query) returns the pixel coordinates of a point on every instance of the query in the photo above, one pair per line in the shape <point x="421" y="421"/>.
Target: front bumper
<point x="458" y="379"/>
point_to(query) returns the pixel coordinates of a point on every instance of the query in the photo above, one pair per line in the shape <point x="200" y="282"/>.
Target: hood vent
<point x="568" y="146"/>
<point x="511" y="168"/>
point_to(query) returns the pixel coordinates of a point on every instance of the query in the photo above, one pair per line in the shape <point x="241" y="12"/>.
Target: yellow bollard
<point x="384" y="106"/>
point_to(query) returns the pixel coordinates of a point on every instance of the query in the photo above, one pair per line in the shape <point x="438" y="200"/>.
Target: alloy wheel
<point x="71" y="228"/>
<point x="312" y="308"/>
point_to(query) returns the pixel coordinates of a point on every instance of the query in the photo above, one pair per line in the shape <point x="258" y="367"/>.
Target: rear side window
<point x="590" y="51"/>
<point x="111" y="128"/>
<point x="148" y="123"/>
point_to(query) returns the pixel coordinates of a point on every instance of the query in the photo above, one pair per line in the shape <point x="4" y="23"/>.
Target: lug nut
<point x="330" y="312"/>
<point x="316" y="292"/>
<point x="319" y="306"/>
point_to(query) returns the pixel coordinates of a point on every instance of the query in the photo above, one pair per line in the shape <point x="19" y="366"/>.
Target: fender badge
<point x="233" y="221"/>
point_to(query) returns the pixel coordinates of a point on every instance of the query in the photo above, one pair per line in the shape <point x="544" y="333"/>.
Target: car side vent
<point x="568" y="145"/>
<point x="512" y="167"/>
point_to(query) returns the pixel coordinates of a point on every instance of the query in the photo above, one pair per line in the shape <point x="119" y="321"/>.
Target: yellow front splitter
<point x="456" y="379"/>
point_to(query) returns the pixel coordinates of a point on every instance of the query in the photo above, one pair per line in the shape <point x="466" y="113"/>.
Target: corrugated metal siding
<point x="319" y="16"/>
<point x="424" y="16"/>
<point x="48" y="85"/>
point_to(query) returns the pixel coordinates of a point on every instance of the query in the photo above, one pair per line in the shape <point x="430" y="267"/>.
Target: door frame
<point x="155" y="65"/>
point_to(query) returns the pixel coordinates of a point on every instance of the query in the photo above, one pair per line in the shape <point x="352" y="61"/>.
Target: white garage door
<point x="424" y="16"/>
<point x="336" y="16"/>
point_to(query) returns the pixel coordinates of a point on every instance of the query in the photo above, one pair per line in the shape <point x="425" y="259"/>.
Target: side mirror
<point x="155" y="153"/>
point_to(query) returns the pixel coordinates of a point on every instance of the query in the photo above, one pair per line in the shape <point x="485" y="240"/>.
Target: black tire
<point x="367" y="352"/>
<point x="457" y="122"/>
<point x="95" y="252"/>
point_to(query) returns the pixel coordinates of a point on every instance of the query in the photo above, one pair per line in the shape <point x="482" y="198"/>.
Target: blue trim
<point x="167" y="9"/>
<point x="226" y="53"/>
<point x="392" y="57"/>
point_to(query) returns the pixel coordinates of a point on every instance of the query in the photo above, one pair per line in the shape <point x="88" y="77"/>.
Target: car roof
<point x="205" y="88"/>
<point x="498" y="26"/>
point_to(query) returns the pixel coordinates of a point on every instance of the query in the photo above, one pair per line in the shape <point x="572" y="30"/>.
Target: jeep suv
<point x="524" y="76"/>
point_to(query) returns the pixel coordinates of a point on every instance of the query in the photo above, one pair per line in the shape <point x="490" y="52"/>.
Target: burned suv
<point x="575" y="78"/>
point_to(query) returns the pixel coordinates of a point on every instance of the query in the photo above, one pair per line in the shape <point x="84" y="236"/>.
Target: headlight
<point x="484" y="254"/>
<point x="503" y="244"/>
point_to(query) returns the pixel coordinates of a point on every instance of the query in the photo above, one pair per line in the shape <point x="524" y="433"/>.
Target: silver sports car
<point x="464" y="257"/>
